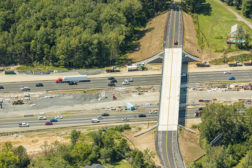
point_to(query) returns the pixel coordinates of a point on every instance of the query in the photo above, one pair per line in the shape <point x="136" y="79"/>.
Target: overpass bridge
<point x="167" y="134"/>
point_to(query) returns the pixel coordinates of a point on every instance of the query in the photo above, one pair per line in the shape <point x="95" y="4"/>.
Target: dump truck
<point x="132" y="68"/>
<point x="18" y="101"/>
<point x="112" y="69"/>
<point x="67" y="79"/>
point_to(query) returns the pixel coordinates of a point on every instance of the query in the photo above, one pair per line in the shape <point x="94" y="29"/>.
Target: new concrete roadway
<point x="195" y="77"/>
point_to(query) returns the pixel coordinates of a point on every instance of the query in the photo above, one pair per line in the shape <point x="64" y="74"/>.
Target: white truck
<point x="132" y="68"/>
<point x="79" y="78"/>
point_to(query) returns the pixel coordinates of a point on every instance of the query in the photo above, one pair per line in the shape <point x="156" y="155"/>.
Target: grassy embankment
<point x="212" y="30"/>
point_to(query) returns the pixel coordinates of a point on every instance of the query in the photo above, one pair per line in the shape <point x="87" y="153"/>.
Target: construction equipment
<point x="18" y="101"/>
<point x="203" y="64"/>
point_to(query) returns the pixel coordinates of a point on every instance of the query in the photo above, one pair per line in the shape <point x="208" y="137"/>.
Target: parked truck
<point x="112" y="69"/>
<point x="67" y="79"/>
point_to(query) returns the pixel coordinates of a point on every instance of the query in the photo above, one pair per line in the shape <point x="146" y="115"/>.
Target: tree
<point x="23" y="158"/>
<point x="81" y="152"/>
<point x="75" y="136"/>
<point x="247" y="8"/>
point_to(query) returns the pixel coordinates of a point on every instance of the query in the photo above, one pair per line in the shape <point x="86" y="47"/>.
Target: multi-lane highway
<point x="194" y="77"/>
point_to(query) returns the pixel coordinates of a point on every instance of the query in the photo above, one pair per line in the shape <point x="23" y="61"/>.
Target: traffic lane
<point x="171" y="29"/>
<point x="94" y="83"/>
<point x="131" y="118"/>
<point x="138" y="80"/>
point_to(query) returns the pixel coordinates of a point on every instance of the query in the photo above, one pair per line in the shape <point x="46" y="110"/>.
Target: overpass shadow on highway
<point x="183" y="93"/>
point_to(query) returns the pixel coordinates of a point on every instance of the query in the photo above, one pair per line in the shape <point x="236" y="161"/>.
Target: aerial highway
<point x="194" y="77"/>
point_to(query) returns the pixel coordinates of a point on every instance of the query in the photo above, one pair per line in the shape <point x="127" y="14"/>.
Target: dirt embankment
<point x="152" y="41"/>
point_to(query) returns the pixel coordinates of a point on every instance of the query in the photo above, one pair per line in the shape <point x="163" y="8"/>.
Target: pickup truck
<point x="23" y="124"/>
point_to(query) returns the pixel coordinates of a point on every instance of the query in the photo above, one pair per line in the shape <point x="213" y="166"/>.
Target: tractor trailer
<point x="67" y="79"/>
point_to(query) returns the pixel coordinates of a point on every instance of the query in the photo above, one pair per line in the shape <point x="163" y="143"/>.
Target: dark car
<point x="1" y="87"/>
<point x="48" y="123"/>
<point x="105" y="114"/>
<point x="39" y="85"/>
<point x="113" y="81"/>
<point x="141" y="115"/>
<point x="111" y="78"/>
<point x="53" y="120"/>
<point x="231" y="78"/>
<point x="111" y="84"/>
<point x="72" y="83"/>
<point x="200" y="108"/>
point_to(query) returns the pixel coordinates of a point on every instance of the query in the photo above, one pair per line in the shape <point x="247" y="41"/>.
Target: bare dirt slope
<point x="189" y="147"/>
<point x="152" y="42"/>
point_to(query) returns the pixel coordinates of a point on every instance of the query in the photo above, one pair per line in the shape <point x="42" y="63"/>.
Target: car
<point x="1" y="87"/>
<point x="231" y="78"/>
<point x="72" y="83"/>
<point x="200" y="108"/>
<point x="42" y="117"/>
<point x="141" y="115"/>
<point x="184" y="74"/>
<point x="125" y="82"/>
<point x="48" y="123"/>
<point x="226" y="72"/>
<point x="23" y="124"/>
<point x="111" y="78"/>
<point x="39" y="85"/>
<point x="113" y="81"/>
<point x="58" y="117"/>
<point x="130" y="80"/>
<point x="25" y="89"/>
<point x="175" y="42"/>
<point x="105" y="114"/>
<point x="94" y="120"/>
<point x="53" y="120"/>
<point x="99" y="118"/>
<point x="153" y="111"/>
<point x="125" y="119"/>
<point x="111" y="84"/>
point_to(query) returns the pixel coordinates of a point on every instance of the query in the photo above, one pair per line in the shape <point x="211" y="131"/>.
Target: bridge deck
<point x="169" y="103"/>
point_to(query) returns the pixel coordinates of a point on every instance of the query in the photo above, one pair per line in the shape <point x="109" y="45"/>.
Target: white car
<point x="153" y="111"/>
<point x="58" y="117"/>
<point x="184" y="74"/>
<point x="125" y="119"/>
<point x="23" y="124"/>
<point x="42" y="117"/>
<point x="94" y="120"/>
<point x="125" y="82"/>
<point x="227" y="72"/>
<point x="25" y="89"/>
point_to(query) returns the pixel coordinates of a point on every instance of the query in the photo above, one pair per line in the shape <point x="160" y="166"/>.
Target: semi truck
<point x="67" y="79"/>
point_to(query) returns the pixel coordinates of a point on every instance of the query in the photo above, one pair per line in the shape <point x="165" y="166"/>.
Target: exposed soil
<point x="189" y="146"/>
<point x="152" y="41"/>
<point x="145" y="141"/>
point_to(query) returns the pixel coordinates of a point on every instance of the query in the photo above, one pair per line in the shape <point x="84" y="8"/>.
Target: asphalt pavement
<point x="195" y="77"/>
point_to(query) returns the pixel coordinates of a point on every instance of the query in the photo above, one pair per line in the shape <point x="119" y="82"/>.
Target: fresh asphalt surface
<point x="195" y="77"/>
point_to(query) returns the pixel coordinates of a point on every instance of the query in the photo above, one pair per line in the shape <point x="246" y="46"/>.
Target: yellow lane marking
<point x="167" y="155"/>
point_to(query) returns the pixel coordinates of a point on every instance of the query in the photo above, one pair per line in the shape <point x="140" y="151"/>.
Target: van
<point x="94" y="120"/>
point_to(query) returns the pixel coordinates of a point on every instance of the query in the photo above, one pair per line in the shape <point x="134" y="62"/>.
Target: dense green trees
<point x="103" y="146"/>
<point x="236" y="144"/>
<point x="71" y="33"/>
<point x="197" y="6"/>
<point x="244" y="5"/>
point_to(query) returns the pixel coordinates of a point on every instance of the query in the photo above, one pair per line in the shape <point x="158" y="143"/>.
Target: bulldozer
<point x="18" y="101"/>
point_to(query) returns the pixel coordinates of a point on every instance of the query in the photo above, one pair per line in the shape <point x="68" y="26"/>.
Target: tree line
<point x="235" y="145"/>
<point x="105" y="146"/>
<point x="72" y="33"/>
<point x="244" y="5"/>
